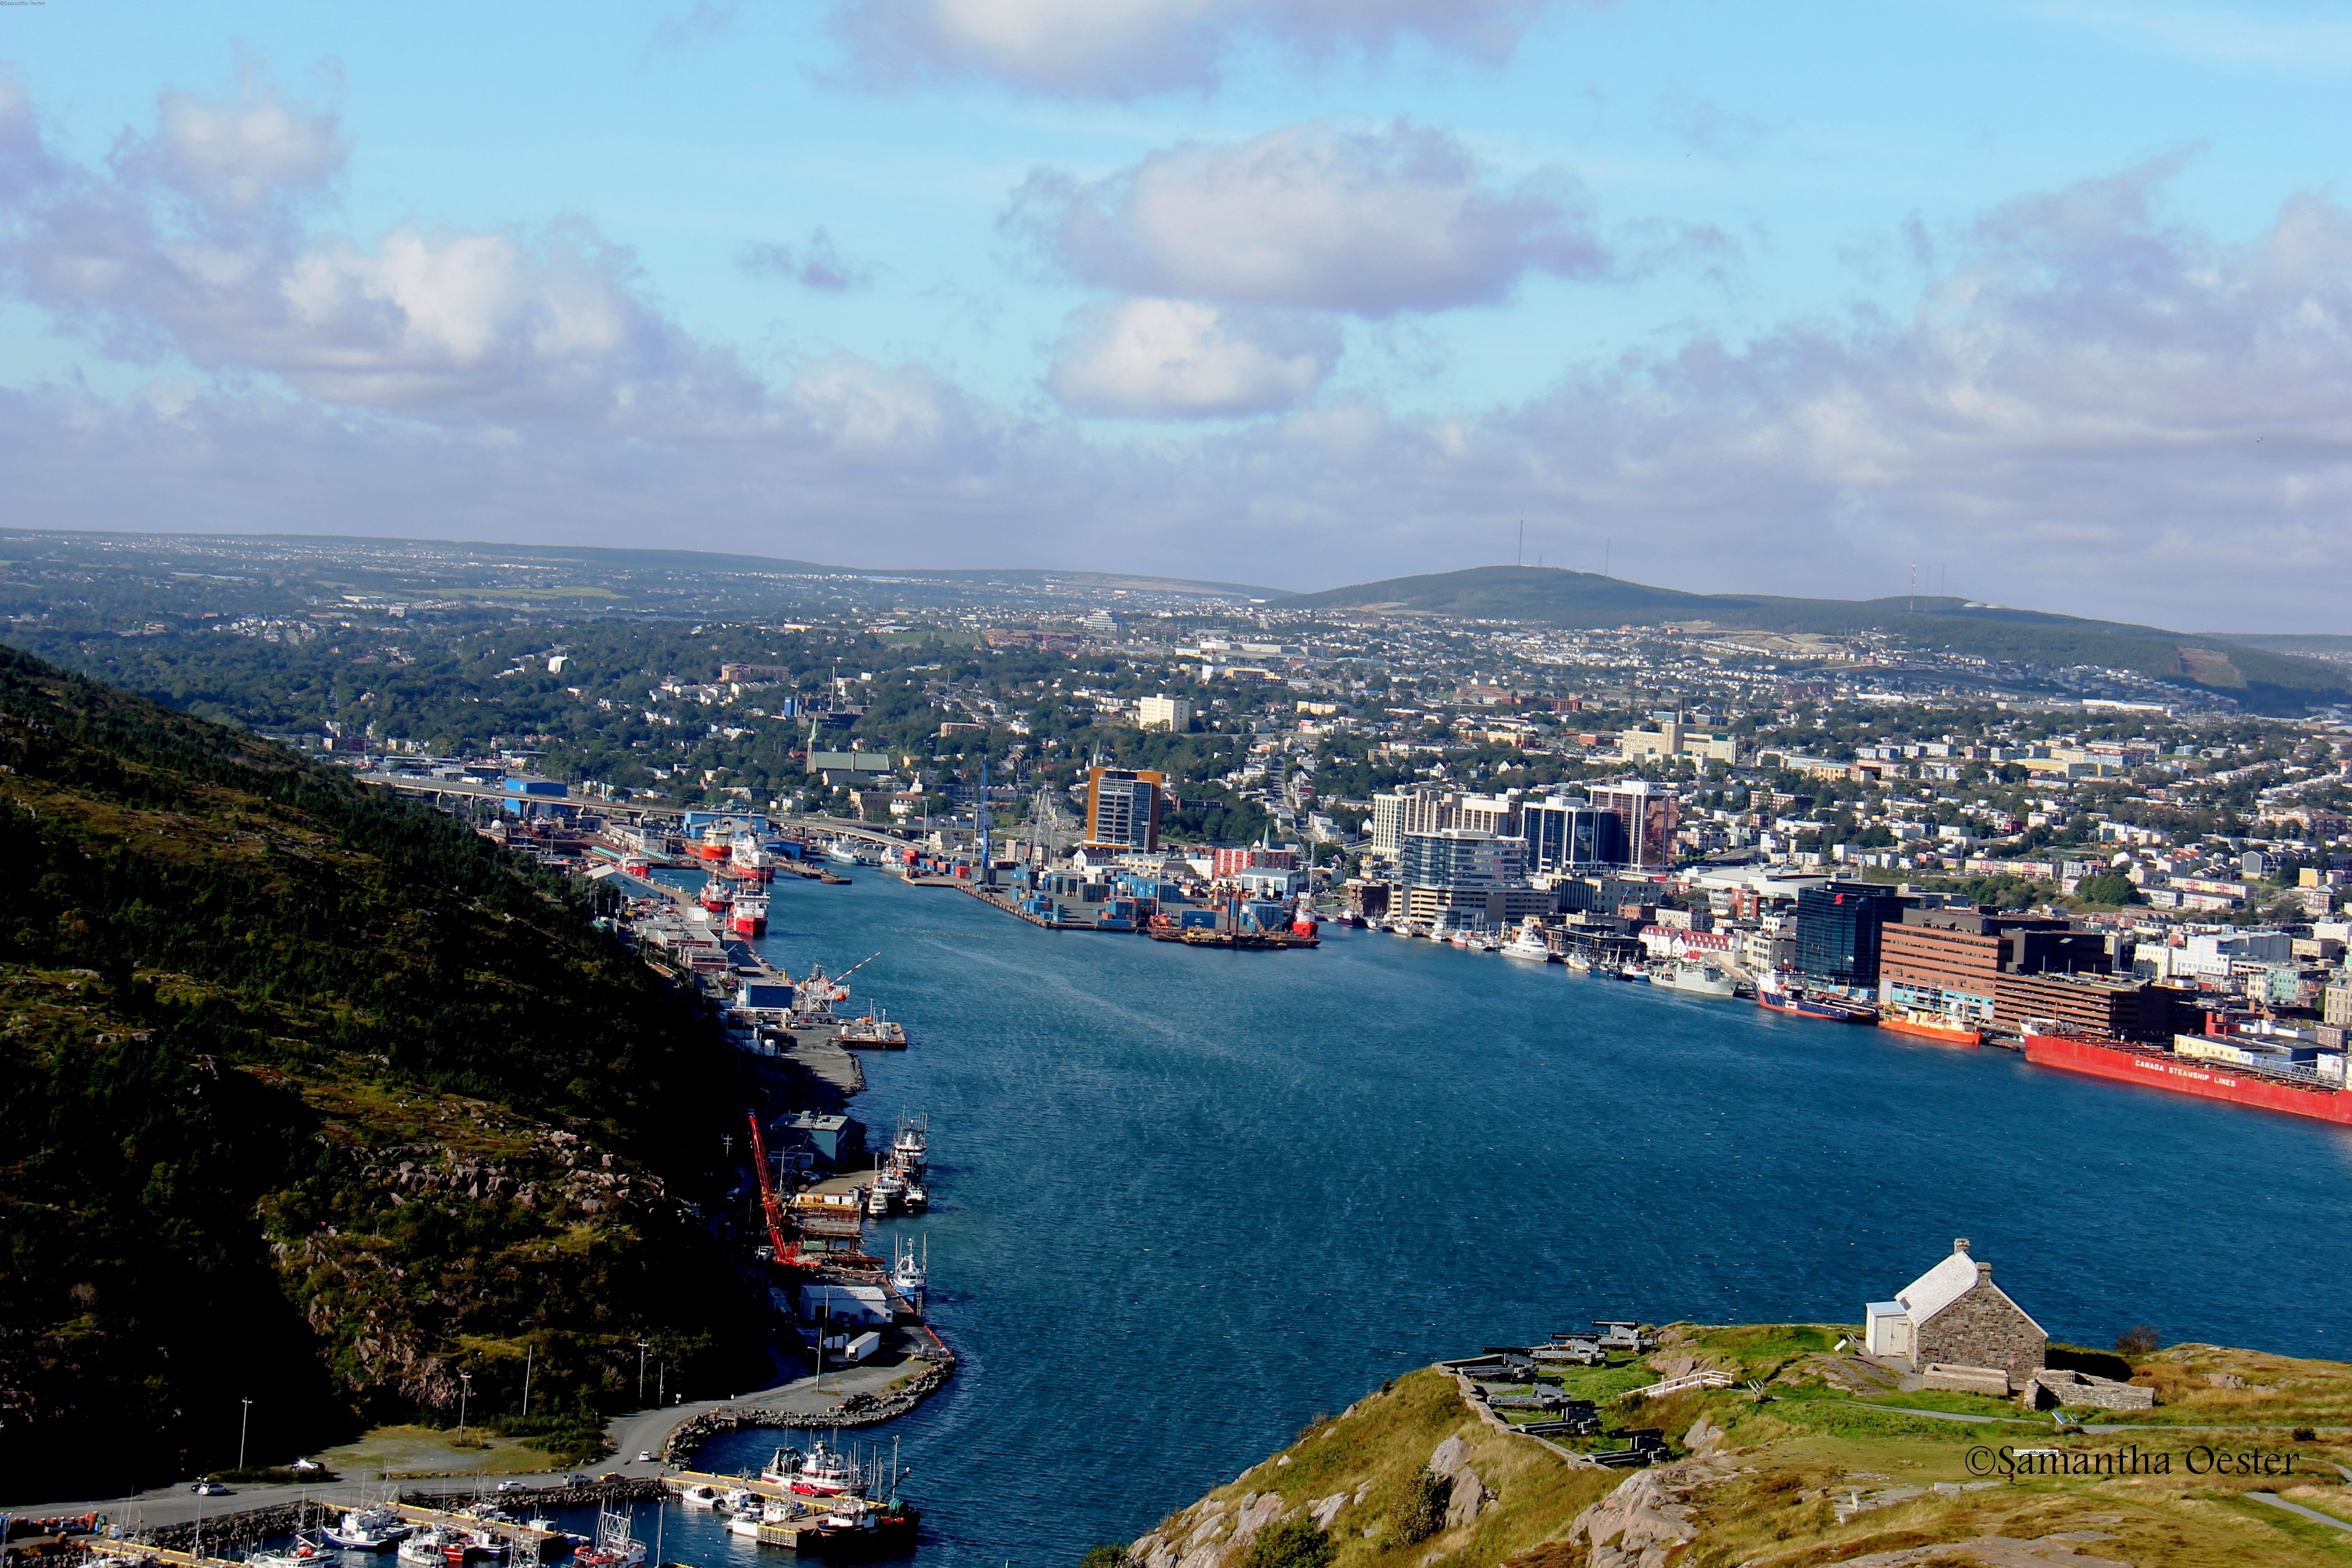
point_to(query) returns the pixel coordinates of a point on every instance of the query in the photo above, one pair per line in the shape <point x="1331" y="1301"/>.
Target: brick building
<point x="1954" y="960"/>
<point x="1954" y="1314"/>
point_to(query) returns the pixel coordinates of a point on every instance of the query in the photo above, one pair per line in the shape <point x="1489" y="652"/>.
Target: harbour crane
<point x="768" y="1204"/>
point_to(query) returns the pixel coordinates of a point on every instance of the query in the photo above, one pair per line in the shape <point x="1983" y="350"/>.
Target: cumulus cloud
<point x="1314" y="216"/>
<point x="1122" y="49"/>
<point x="2089" y="408"/>
<point x="815" y="263"/>
<point x="197" y="239"/>
<point x="1178" y="359"/>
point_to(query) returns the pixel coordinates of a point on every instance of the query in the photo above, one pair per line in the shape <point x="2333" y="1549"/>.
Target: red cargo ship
<point x="1932" y="1027"/>
<point x="2052" y="1045"/>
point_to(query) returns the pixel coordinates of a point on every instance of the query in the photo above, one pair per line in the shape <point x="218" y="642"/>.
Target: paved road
<point x="638" y="1431"/>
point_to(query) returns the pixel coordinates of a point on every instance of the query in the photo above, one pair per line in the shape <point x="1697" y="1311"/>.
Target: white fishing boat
<point x="614" y="1546"/>
<point x="422" y="1548"/>
<point x="916" y="1199"/>
<point x="823" y="1471"/>
<point x="911" y="1149"/>
<point x="370" y="1528"/>
<point x="910" y="1270"/>
<point x="700" y="1495"/>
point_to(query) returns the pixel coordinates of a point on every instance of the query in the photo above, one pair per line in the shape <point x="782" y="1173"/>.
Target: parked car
<point x="575" y="1481"/>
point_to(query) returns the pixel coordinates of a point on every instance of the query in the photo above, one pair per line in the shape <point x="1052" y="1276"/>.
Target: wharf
<point x="530" y="1544"/>
<point x="134" y="1552"/>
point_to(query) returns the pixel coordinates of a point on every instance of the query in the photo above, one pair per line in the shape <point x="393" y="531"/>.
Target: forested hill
<point x="314" y="1096"/>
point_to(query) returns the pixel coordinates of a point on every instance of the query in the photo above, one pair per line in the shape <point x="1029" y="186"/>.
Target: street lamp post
<point x="243" y="1421"/>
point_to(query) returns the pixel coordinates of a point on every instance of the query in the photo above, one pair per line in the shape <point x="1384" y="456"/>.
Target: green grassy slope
<point x="313" y="1096"/>
<point x="1550" y="596"/>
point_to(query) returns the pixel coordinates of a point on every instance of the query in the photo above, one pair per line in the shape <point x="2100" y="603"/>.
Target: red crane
<point x="768" y="1201"/>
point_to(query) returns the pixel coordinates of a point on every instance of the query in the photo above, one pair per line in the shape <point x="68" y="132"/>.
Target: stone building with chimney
<point x="1955" y="1315"/>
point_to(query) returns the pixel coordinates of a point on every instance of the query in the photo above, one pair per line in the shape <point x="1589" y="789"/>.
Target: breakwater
<point x="857" y="1410"/>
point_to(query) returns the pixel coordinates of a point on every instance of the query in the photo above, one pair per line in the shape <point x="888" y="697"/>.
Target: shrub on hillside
<point x="1293" y="1542"/>
<point x="1422" y="1512"/>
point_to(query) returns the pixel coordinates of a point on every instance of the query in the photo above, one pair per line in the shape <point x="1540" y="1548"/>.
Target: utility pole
<point x="465" y="1391"/>
<point x="642" y="1348"/>
<point x="527" y="1353"/>
<point x="243" y="1422"/>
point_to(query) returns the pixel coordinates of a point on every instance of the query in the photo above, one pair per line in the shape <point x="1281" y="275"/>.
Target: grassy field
<point x="1809" y="1474"/>
<point x="408" y="1453"/>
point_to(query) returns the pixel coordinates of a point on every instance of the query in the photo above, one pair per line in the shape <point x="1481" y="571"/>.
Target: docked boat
<point x="1698" y="979"/>
<point x="1926" y="1025"/>
<point x="1779" y="994"/>
<point x="2051" y="1044"/>
<point x="910" y="1271"/>
<point x="308" y="1549"/>
<point x="874" y="1032"/>
<point x="716" y="896"/>
<point x="374" y="1529"/>
<point x="422" y="1548"/>
<point x="916" y="1199"/>
<point x="748" y="914"/>
<point x="823" y="1471"/>
<point x="911" y="1147"/>
<point x="746" y="861"/>
<point x="700" y="1495"/>
<point x="882" y="1197"/>
<point x="614" y="1546"/>
<point x="1527" y="943"/>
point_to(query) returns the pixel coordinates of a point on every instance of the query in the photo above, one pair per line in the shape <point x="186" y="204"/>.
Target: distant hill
<point x="2257" y="677"/>
<point x="313" y="1095"/>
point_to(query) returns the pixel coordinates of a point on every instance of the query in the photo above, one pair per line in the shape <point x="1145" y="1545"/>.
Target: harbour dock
<point x="530" y="1544"/>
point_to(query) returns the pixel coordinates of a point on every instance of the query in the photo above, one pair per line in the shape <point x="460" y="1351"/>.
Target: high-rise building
<point x="1838" y="931"/>
<point x="1466" y="875"/>
<point x="1415" y="808"/>
<point x="1646" y="815"/>
<point x="1123" y="808"/>
<point x="1165" y="714"/>
<point x="1567" y="834"/>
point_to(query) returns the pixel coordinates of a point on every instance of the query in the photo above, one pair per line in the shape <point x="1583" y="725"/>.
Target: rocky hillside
<point x="314" y="1096"/>
<point x="2240" y="1462"/>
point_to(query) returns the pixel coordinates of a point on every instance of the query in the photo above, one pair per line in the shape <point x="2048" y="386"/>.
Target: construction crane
<point x="768" y="1201"/>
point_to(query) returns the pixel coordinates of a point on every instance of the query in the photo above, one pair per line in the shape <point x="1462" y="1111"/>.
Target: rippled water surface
<point x="1184" y="1200"/>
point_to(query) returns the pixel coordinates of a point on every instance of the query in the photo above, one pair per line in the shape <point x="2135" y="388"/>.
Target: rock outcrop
<point x="1646" y="1522"/>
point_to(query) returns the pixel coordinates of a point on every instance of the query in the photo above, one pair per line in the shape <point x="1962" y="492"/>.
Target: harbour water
<point x="1184" y="1200"/>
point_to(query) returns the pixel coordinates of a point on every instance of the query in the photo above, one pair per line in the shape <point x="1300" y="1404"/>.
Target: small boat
<point x="1633" y="972"/>
<point x="873" y="1032"/>
<point x="700" y="1495"/>
<point x="739" y="1499"/>
<point x="826" y="1472"/>
<point x="422" y="1548"/>
<point x="374" y="1529"/>
<point x="915" y="1199"/>
<point x="1581" y="961"/>
<point x="613" y="1547"/>
<point x="910" y="1271"/>
<point x="308" y="1549"/>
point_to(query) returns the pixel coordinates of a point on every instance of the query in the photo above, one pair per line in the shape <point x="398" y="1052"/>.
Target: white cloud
<point x="197" y="240"/>
<point x="1162" y="359"/>
<point x="815" y="263"/>
<point x="1121" y="49"/>
<point x="1314" y="216"/>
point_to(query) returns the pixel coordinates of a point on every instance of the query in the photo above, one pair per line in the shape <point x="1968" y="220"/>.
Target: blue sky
<point x="2053" y="296"/>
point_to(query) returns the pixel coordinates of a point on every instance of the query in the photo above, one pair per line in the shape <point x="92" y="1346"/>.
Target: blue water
<point x="1183" y="1200"/>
